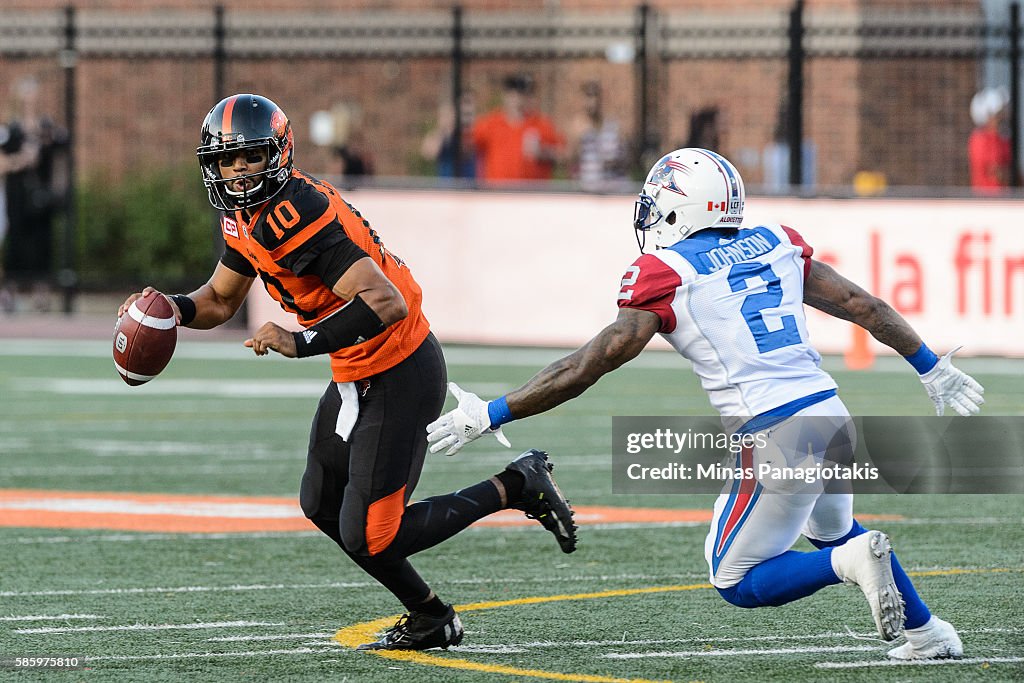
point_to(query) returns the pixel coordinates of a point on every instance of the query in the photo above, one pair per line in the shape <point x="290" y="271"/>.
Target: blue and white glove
<point x="947" y="385"/>
<point x="467" y="422"/>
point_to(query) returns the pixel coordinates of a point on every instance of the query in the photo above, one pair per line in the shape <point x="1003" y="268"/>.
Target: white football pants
<point x="756" y="520"/>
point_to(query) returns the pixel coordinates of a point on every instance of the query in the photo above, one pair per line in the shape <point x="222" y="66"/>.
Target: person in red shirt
<point x="514" y="141"/>
<point x="988" y="150"/>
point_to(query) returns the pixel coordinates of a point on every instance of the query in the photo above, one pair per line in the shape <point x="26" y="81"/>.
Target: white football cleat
<point x="865" y="561"/>
<point x="937" y="639"/>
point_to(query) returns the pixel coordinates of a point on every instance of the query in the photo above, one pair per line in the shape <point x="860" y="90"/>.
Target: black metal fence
<point x="647" y="41"/>
<point x="655" y="38"/>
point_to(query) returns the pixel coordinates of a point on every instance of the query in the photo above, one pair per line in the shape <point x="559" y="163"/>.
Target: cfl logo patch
<point x="121" y="343"/>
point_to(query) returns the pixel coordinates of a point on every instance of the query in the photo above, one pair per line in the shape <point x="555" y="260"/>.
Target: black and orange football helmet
<point x="242" y="122"/>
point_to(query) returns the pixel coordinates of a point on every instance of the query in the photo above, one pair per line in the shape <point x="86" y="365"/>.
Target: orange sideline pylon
<point x="859" y="356"/>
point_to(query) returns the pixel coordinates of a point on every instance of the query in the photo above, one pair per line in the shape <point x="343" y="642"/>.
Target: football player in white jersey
<point x="730" y="299"/>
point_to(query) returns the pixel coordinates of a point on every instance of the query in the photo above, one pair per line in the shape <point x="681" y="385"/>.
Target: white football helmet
<point x="689" y="190"/>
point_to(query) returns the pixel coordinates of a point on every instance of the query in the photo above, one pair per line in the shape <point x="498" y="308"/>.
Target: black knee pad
<point x="310" y="489"/>
<point x="353" y="535"/>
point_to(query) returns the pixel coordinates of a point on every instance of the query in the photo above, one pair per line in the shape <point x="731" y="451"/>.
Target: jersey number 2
<point x="754" y="304"/>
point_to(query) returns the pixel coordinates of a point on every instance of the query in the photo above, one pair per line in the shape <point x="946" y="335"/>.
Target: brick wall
<point x="915" y="119"/>
<point x="905" y="117"/>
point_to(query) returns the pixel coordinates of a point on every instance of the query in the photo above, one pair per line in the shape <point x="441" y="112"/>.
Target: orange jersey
<point x="285" y="237"/>
<point x="499" y="145"/>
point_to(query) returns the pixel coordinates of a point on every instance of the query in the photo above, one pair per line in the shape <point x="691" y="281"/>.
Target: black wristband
<point x="186" y="306"/>
<point x="352" y="324"/>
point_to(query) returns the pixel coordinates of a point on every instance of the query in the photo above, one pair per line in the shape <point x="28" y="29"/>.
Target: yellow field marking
<point x="352" y="636"/>
<point x="954" y="572"/>
<point x="357" y="634"/>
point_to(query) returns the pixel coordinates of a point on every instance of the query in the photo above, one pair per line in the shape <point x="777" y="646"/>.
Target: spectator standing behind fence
<point x="35" y="177"/>
<point x="705" y="129"/>
<point x="598" y="150"/>
<point x="439" y="143"/>
<point x="988" y="149"/>
<point x="339" y="129"/>
<point x="515" y="141"/>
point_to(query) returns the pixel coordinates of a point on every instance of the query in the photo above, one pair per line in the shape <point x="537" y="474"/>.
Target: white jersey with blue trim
<point x="731" y="302"/>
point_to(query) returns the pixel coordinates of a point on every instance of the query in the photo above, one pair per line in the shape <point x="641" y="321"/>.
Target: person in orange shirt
<point x="359" y="304"/>
<point x="988" y="150"/>
<point x="515" y="141"/>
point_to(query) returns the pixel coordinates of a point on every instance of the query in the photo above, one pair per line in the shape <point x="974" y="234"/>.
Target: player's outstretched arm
<point x="214" y="303"/>
<point x="830" y="292"/>
<point x="559" y="382"/>
<point x="567" y="378"/>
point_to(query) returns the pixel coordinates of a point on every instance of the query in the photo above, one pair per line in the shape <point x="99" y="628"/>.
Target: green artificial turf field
<point x="221" y="430"/>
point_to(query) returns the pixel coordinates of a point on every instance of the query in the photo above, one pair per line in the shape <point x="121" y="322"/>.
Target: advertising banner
<point x="544" y="269"/>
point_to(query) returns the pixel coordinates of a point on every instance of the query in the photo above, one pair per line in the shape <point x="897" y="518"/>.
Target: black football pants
<point x="357" y="490"/>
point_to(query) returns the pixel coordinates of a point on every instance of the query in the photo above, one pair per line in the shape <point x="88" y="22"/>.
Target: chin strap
<point x="640" y="242"/>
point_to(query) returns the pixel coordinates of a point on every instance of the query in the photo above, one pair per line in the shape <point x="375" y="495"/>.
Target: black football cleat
<point x="542" y="500"/>
<point x="420" y="631"/>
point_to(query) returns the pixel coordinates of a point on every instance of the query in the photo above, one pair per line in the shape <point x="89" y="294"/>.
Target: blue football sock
<point x="788" y="577"/>
<point x="917" y="612"/>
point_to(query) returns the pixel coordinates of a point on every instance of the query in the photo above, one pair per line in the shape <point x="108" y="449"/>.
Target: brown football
<point x="144" y="339"/>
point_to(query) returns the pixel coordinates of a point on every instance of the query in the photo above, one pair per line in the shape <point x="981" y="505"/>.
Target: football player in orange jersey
<point x="321" y="260"/>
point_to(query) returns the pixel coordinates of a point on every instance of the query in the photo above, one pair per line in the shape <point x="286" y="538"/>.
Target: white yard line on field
<point x="184" y="589"/>
<point x="134" y="538"/>
<point x="555" y="579"/>
<point x="148" y="627"/>
<point x="572" y="579"/>
<point x="212" y="655"/>
<point x="543" y="644"/>
<point x="611" y="526"/>
<point x="834" y="635"/>
<point x="466" y="355"/>
<point x="142" y="538"/>
<point x="281" y="636"/>
<point x="52" y="617"/>
<point x="154" y="468"/>
<point x="224" y="388"/>
<point x="98" y="504"/>
<point x="741" y="653"/>
<point x="972" y="661"/>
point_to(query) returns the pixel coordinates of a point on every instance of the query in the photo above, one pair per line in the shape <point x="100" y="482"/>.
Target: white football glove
<point x="468" y="422"/>
<point x="946" y="384"/>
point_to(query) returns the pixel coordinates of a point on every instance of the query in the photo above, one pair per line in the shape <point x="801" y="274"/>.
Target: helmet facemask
<point x="646" y="215"/>
<point x="222" y="196"/>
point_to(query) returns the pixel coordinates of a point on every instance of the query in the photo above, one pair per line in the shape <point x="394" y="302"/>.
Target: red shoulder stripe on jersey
<point x="650" y="285"/>
<point x="301" y="237"/>
<point x="806" y="250"/>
